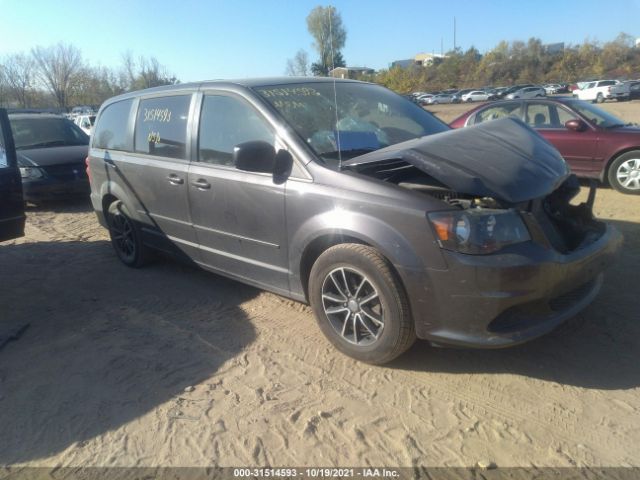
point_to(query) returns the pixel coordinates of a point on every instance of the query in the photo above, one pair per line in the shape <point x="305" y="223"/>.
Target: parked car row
<point x="478" y="95"/>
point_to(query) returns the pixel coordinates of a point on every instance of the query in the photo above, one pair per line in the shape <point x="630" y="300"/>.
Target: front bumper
<point x="499" y="300"/>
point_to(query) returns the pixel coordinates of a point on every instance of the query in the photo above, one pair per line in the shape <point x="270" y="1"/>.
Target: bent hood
<point x="504" y="159"/>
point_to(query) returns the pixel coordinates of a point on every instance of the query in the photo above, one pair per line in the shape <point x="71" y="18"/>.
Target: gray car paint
<point x="324" y="207"/>
<point x="504" y="159"/>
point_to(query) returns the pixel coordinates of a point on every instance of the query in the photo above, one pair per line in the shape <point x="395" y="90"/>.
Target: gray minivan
<point x="347" y="196"/>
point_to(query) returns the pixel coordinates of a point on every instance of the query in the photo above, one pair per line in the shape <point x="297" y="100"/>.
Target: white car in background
<point x="551" y="88"/>
<point x="85" y="122"/>
<point x="475" y="96"/>
<point x="596" y="91"/>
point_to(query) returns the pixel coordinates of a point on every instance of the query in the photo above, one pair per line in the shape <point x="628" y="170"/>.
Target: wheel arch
<point x="110" y="192"/>
<point x="322" y="243"/>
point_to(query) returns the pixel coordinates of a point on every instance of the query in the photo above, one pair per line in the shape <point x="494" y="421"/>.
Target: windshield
<point x="596" y="115"/>
<point x="368" y="117"/>
<point x="42" y="132"/>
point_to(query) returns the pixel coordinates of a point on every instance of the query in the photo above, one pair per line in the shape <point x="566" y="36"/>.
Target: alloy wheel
<point x="353" y="306"/>
<point x="123" y="235"/>
<point x="628" y="174"/>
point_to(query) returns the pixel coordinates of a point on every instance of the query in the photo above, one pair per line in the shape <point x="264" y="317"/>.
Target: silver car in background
<point x="475" y="96"/>
<point x="440" y="98"/>
<point x="527" y="92"/>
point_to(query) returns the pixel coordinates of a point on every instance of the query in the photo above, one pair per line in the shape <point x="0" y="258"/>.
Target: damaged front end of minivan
<point x="521" y="256"/>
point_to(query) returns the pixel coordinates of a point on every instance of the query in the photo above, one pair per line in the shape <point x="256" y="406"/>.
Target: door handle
<point x="110" y="162"/>
<point x="174" y="179"/>
<point x="201" y="184"/>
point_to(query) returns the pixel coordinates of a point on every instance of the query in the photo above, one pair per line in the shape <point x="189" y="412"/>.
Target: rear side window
<point x="501" y="110"/>
<point x="111" y="130"/>
<point x="161" y="126"/>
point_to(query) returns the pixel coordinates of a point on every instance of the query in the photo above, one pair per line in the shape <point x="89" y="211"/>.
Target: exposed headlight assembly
<point x="478" y="231"/>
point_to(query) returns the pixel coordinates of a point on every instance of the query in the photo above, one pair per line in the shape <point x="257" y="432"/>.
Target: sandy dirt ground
<point x="173" y="366"/>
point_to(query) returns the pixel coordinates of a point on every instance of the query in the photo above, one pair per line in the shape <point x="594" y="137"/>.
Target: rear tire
<point x="360" y="304"/>
<point x="624" y="173"/>
<point x="126" y="237"/>
<point x="599" y="98"/>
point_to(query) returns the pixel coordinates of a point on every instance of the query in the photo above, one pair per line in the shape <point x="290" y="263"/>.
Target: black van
<point x="12" y="216"/>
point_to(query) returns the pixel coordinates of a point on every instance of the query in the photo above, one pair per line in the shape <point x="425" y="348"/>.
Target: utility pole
<point x="454" y="34"/>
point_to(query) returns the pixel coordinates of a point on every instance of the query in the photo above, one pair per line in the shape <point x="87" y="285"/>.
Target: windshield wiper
<point x="617" y="125"/>
<point x="348" y="154"/>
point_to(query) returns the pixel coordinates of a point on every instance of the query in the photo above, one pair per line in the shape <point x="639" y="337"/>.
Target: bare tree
<point x="57" y="68"/>
<point x="19" y="77"/>
<point x="145" y="73"/>
<point x="128" y="68"/>
<point x="298" y="65"/>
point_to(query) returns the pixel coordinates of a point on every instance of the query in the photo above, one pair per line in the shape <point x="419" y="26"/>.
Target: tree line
<point x="518" y="62"/>
<point x="59" y="76"/>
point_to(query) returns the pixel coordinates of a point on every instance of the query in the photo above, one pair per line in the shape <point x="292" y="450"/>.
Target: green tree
<point x="329" y="35"/>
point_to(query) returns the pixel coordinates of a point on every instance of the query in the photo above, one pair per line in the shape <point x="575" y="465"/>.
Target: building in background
<point x="553" y="48"/>
<point x="351" y="72"/>
<point x="421" y="60"/>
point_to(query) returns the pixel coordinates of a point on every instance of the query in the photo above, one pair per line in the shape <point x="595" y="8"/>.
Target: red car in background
<point x="595" y="143"/>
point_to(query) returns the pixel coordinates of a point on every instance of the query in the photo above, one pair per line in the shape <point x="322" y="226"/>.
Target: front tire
<point x="360" y="304"/>
<point x="126" y="237"/>
<point x="624" y="173"/>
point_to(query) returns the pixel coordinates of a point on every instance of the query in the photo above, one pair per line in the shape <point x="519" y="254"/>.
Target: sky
<point x="198" y="39"/>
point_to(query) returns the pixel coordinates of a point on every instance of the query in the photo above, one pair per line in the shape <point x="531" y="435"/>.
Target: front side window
<point x="564" y="116"/>
<point x="226" y="122"/>
<point x="596" y="115"/>
<point x="111" y="133"/>
<point x="161" y="126"/>
<point x="343" y="120"/>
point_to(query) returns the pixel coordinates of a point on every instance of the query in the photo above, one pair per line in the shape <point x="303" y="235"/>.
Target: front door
<point x="579" y="149"/>
<point x="12" y="216"/>
<point x="239" y="217"/>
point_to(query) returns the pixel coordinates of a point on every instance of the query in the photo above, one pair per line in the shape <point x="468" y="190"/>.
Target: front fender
<point x="340" y="226"/>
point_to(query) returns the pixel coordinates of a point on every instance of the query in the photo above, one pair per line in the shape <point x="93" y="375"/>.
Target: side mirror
<point x="282" y="167"/>
<point x="256" y="156"/>
<point x="575" y="125"/>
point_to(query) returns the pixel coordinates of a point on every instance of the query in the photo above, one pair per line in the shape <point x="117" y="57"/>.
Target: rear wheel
<point x="599" y="98"/>
<point x="360" y="304"/>
<point x="126" y="237"/>
<point x="624" y="173"/>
